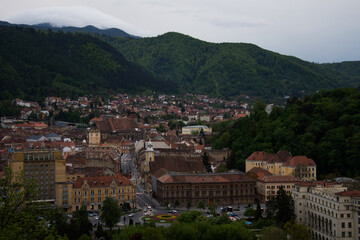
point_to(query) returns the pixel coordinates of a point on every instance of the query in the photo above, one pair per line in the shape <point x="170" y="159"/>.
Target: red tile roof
<point x="259" y="156"/>
<point x="204" y="178"/>
<point x="349" y="193"/>
<point x="300" y="160"/>
<point x="260" y="172"/>
<point x="103" y="181"/>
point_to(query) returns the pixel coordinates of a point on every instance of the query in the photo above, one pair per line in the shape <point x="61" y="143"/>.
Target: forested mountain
<point x="113" y="32"/>
<point x="324" y="127"/>
<point x="35" y="64"/>
<point x="228" y="69"/>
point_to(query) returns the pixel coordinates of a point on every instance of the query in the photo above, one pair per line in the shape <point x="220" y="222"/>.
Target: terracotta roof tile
<point x="300" y="160"/>
<point x="102" y="181"/>
<point x="349" y="193"/>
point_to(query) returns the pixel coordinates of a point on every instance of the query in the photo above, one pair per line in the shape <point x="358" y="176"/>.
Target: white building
<point x="189" y="130"/>
<point x="328" y="210"/>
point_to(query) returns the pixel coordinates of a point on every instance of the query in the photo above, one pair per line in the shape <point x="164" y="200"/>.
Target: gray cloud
<point x="78" y="16"/>
<point x="319" y="31"/>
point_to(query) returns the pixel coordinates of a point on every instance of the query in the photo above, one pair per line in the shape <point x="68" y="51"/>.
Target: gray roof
<point x="35" y="137"/>
<point x="51" y="135"/>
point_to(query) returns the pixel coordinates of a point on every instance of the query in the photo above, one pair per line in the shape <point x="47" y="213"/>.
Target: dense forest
<point x="324" y="127"/>
<point x="229" y="69"/>
<point x="35" y="64"/>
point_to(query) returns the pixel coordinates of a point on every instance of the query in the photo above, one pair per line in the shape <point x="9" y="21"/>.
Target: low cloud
<point x="78" y="16"/>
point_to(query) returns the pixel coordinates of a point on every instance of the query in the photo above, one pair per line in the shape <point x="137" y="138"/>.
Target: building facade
<point x="328" y="210"/>
<point x="92" y="191"/>
<point x="268" y="186"/>
<point x="282" y="163"/>
<point x="219" y="189"/>
<point x="47" y="168"/>
<point x="94" y="138"/>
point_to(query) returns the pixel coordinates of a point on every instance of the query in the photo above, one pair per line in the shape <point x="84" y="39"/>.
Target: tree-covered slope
<point x="228" y="68"/>
<point x="324" y="127"/>
<point x="34" y="64"/>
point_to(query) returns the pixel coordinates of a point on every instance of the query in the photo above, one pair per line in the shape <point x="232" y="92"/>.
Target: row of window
<point x="99" y="199"/>
<point x="38" y="156"/>
<point x="92" y="192"/>
<point x="240" y="186"/>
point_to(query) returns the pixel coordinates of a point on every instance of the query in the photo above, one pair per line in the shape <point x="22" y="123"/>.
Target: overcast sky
<point x="313" y="30"/>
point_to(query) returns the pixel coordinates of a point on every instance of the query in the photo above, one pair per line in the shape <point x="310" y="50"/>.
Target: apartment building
<point x="328" y="209"/>
<point x="46" y="167"/>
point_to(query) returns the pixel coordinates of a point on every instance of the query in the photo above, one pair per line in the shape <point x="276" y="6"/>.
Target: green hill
<point x="324" y="127"/>
<point x="228" y="69"/>
<point x="35" y="64"/>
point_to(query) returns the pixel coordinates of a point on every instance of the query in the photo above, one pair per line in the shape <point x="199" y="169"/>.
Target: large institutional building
<point x="220" y="189"/>
<point x="328" y="210"/>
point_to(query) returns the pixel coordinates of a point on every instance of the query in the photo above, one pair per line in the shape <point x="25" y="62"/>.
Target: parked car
<point x="172" y="211"/>
<point x="131" y="215"/>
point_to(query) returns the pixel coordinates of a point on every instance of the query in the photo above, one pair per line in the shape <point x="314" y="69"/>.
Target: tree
<point x="18" y="211"/>
<point x="212" y="207"/>
<point x="176" y="204"/>
<point x="161" y="128"/>
<point x="201" y="204"/>
<point x="297" y="231"/>
<point x="205" y="160"/>
<point x="281" y="207"/>
<point x="189" y="216"/>
<point x="80" y="223"/>
<point x="110" y="212"/>
<point x="258" y="212"/>
<point x="273" y="232"/>
<point x="188" y="205"/>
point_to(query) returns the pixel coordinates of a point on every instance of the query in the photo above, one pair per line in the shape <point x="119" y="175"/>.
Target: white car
<point x="131" y="215"/>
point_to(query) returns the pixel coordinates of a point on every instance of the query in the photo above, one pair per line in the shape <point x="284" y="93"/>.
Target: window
<point x="349" y="225"/>
<point x="343" y="234"/>
<point x="343" y="225"/>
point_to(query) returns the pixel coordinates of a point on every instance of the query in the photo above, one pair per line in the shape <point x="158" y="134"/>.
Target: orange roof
<point x="300" y="160"/>
<point x="259" y="156"/>
<point x="204" y="178"/>
<point x="260" y="172"/>
<point x="127" y="143"/>
<point x="349" y="193"/>
<point x="103" y="181"/>
<point x="200" y="147"/>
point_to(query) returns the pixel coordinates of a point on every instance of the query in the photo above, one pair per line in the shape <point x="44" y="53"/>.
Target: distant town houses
<point x="77" y="165"/>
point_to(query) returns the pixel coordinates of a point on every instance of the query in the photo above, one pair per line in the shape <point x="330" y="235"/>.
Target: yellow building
<point x="92" y="191"/>
<point x="268" y="186"/>
<point x="94" y="138"/>
<point x="47" y="168"/>
<point x="283" y="163"/>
